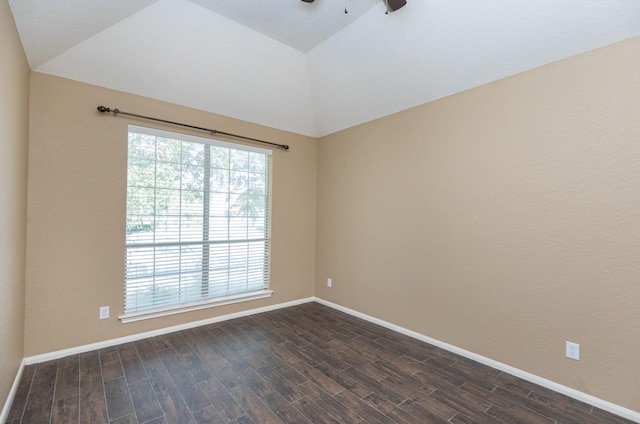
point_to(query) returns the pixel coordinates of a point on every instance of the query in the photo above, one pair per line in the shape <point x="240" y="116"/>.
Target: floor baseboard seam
<point x="549" y="384"/>
<point x="36" y="359"/>
<point x="4" y="414"/>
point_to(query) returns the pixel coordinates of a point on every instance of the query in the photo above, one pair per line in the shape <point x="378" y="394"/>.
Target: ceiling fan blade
<point x="308" y="1"/>
<point x="394" y="5"/>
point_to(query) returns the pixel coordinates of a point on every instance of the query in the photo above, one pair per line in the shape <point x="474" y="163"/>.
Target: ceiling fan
<point x="392" y="5"/>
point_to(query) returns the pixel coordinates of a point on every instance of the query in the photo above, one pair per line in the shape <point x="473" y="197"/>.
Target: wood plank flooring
<point x="304" y="364"/>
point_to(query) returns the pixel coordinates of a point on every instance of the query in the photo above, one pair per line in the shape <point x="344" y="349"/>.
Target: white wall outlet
<point x="329" y="282"/>
<point x="573" y="351"/>
<point x="104" y="312"/>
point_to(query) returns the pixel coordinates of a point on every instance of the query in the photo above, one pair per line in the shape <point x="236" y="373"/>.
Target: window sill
<point x="193" y="306"/>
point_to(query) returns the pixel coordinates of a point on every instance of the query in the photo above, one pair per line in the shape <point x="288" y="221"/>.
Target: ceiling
<point x="303" y="67"/>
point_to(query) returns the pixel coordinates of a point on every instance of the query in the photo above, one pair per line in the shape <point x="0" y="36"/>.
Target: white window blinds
<point x="198" y="227"/>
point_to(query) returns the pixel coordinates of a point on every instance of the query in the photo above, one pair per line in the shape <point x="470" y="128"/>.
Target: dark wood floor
<point x="304" y="364"/>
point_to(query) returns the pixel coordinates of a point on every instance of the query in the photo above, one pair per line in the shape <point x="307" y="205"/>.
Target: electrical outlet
<point x="329" y="282"/>
<point x="573" y="351"/>
<point x="104" y="312"/>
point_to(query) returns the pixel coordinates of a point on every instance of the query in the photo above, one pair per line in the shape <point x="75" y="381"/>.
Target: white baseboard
<point x="113" y="342"/>
<point x="568" y="391"/>
<point x="12" y="394"/>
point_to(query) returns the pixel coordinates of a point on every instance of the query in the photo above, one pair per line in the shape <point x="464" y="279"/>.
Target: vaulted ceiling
<point x="309" y="68"/>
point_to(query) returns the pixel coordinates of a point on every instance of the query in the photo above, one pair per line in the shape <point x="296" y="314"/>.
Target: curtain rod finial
<point x="104" y="109"/>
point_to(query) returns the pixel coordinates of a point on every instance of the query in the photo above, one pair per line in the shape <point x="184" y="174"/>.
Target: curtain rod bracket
<point x="116" y="111"/>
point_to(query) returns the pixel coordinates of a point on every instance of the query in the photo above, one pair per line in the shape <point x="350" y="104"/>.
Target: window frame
<point x="137" y="314"/>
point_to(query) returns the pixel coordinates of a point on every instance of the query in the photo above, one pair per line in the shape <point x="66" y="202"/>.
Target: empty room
<point x="319" y="211"/>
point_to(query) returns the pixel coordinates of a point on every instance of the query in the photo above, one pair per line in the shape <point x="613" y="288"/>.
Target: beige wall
<point x="504" y="220"/>
<point x="14" y="126"/>
<point x="76" y="213"/>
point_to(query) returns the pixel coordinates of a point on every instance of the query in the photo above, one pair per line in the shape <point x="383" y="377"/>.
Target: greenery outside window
<point x="197" y="224"/>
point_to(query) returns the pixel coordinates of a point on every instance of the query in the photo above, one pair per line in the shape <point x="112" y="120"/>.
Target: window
<point x="197" y="225"/>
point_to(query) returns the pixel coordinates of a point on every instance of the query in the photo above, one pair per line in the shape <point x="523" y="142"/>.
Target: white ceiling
<point x="309" y="68"/>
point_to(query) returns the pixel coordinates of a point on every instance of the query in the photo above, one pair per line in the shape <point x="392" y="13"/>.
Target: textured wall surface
<point x="14" y="126"/>
<point x="76" y="213"/>
<point x="503" y="220"/>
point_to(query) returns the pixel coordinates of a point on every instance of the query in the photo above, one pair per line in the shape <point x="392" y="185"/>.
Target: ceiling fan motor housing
<point x="392" y="5"/>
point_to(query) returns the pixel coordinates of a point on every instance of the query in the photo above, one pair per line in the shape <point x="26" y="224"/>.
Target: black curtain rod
<point x="116" y="111"/>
